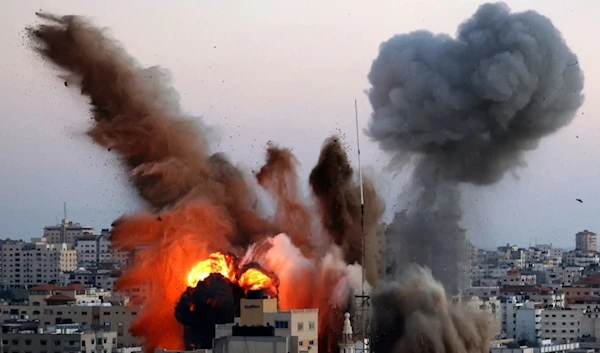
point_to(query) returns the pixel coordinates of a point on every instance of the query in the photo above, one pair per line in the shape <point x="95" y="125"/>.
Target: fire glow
<point x="250" y="277"/>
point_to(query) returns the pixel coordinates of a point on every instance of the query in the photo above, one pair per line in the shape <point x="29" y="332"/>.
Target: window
<point x="311" y="342"/>
<point x="311" y="325"/>
<point x="300" y="326"/>
<point x="281" y="324"/>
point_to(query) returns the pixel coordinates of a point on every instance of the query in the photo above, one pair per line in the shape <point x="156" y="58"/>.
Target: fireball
<point x="249" y="277"/>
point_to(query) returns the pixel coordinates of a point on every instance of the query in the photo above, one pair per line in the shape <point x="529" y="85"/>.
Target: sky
<point x="281" y="71"/>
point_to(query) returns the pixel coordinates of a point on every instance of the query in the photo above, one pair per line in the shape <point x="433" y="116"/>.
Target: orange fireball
<point x="216" y="263"/>
<point x="248" y="277"/>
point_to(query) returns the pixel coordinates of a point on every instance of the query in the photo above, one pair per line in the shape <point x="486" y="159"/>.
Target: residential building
<point x="586" y="241"/>
<point x="26" y="337"/>
<point x="27" y="264"/>
<point x="561" y="325"/>
<point x="528" y="322"/>
<point x="94" y="251"/>
<point x="66" y="232"/>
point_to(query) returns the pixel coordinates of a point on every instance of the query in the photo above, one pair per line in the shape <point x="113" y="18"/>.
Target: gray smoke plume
<point x="466" y="108"/>
<point x="416" y="316"/>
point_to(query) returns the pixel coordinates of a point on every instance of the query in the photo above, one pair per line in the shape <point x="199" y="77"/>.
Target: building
<point x="586" y="241"/>
<point x="26" y="337"/>
<point x="299" y="327"/>
<point x="528" y="323"/>
<point x="562" y="325"/>
<point x="66" y="232"/>
<point x="94" y="251"/>
<point x="92" y="310"/>
<point x="29" y="264"/>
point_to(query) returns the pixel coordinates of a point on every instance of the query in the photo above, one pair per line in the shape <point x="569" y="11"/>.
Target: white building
<point x="509" y="307"/>
<point x="27" y="264"/>
<point x="528" y="322"/>
<point x="562" y="325"/>
<point x="94" y="250"/>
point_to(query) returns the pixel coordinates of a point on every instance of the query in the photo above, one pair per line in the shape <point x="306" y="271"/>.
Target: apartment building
<point x="561" y="325"/>
<point x="586" y="241"/>
<point x="94" y="251"/>
<point x="92" y="310"/>
<point x="27" y="336"/>
<point x="66" y="232"/>
<point x="300" y="325"/>
<point x="549" y="297"/>
<point x="516" y="277"/>
<point x="528" y="322"/>
<point x="28" y="264"/>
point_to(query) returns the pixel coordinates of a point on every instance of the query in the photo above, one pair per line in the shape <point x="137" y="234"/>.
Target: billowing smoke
<point x="339" y="199"/>
<point x="199" y="202"/>
<point x="467" y="109"/>
<point x="415" y="315"/>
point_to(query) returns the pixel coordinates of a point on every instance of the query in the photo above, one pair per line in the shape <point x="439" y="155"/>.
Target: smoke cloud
<point x="339" y="198"/>
<point x="466" y="109"/>
<point x="415" y="315"/>
<point x="198" y="202"/>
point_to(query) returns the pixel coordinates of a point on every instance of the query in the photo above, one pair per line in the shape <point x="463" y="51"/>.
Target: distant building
<point x="94" y="251"/>
<point x="66" y="232"/>
<point x="586" y="241"/>
<point x="28" y="264"/>
<point x="25" y="336"/>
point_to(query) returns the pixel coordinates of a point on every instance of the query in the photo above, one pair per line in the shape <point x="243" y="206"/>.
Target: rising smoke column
<point x="338" y="195"/>
<point x="198" y="203"/>
<point x="466" y="108"/>
<point x="415" y="315"/>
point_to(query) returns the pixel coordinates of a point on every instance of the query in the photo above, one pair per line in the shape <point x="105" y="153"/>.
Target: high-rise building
<point x="586" y="241"/>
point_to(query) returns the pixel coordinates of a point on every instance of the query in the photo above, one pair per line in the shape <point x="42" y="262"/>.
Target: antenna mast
<point x="65" y="209"/>
<point x="363" y="299"/>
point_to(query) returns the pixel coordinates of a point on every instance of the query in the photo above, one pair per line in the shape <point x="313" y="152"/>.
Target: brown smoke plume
<point x="416" y="316"/>
<point x="279" y="177"/>
<point x="339" y="199"/>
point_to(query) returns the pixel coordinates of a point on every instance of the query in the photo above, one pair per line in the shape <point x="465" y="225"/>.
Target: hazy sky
<point x="286" y="71"/>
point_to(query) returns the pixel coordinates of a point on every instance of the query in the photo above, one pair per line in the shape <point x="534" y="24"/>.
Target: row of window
<point x="285" y="324"/>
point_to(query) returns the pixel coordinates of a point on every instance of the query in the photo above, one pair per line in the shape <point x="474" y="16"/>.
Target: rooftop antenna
<point x="364" y="299"/>
<point x="65" y="209"/>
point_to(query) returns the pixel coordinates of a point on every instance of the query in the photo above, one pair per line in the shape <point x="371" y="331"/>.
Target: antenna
<point x="65" y="209"/>
<point x="364" y="299"/>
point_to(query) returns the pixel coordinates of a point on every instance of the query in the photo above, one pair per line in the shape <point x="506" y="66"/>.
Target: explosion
<point x="200" y="204"/>
<point x="466" y="109"/>
<point x="248" y="277"/>
<point x="215" y="288"/>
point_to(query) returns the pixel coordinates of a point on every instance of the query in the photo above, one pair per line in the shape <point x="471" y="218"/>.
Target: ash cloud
<point x="466" y="109"/>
